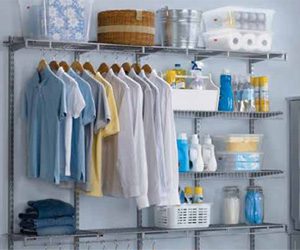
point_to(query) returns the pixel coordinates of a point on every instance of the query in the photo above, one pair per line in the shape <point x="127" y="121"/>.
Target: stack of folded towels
<point x="48" y="217"/>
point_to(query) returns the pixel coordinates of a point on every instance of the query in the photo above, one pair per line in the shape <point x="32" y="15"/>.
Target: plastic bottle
<point x="197" y="164"/>
<point x="255" y="84"/>
<point x="248" y="100"/>
<point x="208" y="152"/>
<point x="188" y="191"/>
<point x="226" y="102"/>
<point x="235" y="83"/>
<point x="180" y="82"/>
<point x="198" y="195"/>
<point x="264" y="94"/>
<point x="198" y="82"/>
<point x="183" y="153"/>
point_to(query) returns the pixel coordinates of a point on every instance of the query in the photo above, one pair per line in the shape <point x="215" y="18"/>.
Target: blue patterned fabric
<point x="66" y="20"/>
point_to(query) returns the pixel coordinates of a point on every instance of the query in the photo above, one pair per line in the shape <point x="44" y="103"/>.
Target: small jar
<point x="232" y="205"/>
<point x="254" y="205"/>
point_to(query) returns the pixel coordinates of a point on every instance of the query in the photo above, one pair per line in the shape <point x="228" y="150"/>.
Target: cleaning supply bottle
<point x="183" y="153"/>
<point x="208" y="152"/>
<point x="188" y="192"/>
<point x="198" y="195"/>
<point x="198" y="82"/>
<point x="235" y="83"/>
<point x="180" y="82"/>
<point x="196" y="161"/>
<point x="226" y="102"/>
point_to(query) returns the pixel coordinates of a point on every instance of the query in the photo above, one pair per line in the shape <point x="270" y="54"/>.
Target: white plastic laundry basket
<point x="183" y="216"/>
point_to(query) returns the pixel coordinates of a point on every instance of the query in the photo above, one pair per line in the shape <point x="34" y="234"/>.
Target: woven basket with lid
<point x="131" y="27"/>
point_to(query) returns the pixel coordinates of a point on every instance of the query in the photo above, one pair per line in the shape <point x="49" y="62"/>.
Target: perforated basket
<point x="183" y="216"/>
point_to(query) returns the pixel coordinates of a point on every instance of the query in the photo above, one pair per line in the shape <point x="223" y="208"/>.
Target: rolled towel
<point x="57" y="230"/>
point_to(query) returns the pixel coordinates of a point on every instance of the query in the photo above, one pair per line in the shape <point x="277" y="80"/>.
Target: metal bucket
<point x="180" y="28"/>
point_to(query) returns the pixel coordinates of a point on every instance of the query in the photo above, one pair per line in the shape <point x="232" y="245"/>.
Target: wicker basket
<point x="131" y="27"/>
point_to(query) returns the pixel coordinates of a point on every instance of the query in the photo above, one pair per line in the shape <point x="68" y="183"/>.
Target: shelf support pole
<point x="11" y="108"/>
<point x="76" y="194"/>
<point x="197" y="130"/>
<point x="252" y="183"/>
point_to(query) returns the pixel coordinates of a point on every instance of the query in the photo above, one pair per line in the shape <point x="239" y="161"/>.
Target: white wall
<point x="108" y="212"/>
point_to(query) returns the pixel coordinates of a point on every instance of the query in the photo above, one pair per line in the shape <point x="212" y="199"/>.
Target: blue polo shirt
<point x="79" y="148"/>
<point x="44" y="109"/>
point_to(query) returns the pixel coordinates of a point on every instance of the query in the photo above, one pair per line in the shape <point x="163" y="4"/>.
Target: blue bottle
<point x="226" y="102"/>
<point x="183" y="153"/>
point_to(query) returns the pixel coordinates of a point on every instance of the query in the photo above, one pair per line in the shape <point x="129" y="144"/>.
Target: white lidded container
<point x="64" y="20"/>
<point x="206" y="99"/>
<point x="238" y="40"/>
<point x="183" y="216"/>
<point x="252" y="19"/>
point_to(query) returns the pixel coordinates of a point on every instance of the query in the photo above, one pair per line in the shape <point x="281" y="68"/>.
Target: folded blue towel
<point x="49" y="222"/>
<point x="48" y="208"/>
<point x="57" y="230"/>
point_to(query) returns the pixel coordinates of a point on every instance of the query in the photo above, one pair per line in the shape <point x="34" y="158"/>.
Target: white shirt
<point x="159" y="135"/>
<point x="75" y="104"/>
<point x="153" y="162"/>
<point x="169" y="136"/>
<point x="119" y="170"/>
<point x="139" y="137"/>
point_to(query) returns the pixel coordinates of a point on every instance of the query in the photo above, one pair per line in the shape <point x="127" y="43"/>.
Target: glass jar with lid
<point x="232" y="205"/>
<point x="254" y="205"/>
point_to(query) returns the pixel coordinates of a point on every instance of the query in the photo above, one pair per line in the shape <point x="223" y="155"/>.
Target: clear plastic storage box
<point x="238" y="143"/>
<point x="183" y="216"/>
<point x="239" y="18"/>
<point x="60" y="20"/>
<point x="239" y="161"/>
<point x="238" y="40"/>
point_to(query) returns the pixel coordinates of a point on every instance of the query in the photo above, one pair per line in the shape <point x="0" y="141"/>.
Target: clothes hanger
<point x="147" y="68"/>
<point x="116" y="68"/>
<point x="76" y="65"/>
<point x="64" y="65"/>
<point x="54" y="66"/>
<point x="126" y="66"/>
<point x="137" y="68"/>
<point x="42" y="65"/>
<point x="103" y="68"/>
<point x="88" y="66"/>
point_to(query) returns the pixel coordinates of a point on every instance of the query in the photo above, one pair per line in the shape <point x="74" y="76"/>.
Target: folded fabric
<point x="49" y="222"/>
<point x="57" y="230"/>
<point x="49" y="208"/>
<point x="27" y="216"/>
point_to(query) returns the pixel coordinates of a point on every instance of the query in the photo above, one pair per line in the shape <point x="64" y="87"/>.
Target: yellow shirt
<point x="111" y="129"/>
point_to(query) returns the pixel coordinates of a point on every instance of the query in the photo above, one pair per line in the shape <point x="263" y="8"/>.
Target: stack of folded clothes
<point x="48" y="217"/>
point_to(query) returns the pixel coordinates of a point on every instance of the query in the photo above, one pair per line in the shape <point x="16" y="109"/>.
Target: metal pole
<point x="11" y="108"/>
<point x="252" y="183"/>
<point x="76" y="193"/>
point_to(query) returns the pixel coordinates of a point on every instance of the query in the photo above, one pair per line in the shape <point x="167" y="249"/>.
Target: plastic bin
<point x="239" y="18"/>
<point x="63" y="20"/>
<point x="238" y="143"/>
<point x="238" y="40"/>
<point x="183" y="216"/>
<point x="197" y="100"/>
<point x="239" y="161"/>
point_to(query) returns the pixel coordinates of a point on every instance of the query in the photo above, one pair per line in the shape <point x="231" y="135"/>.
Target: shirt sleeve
<point x="62" y="102"/>
<point x="78" y="102"/>
<point x="103" y="115"/>
<point x="89" y="112"/>
<point x="114" y="126"/>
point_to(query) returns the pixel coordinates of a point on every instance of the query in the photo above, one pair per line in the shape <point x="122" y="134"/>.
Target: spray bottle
<point x="196" y="161"/>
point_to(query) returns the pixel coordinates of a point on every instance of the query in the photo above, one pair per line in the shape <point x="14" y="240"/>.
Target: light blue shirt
<point x="44" y="109"/>
<point x="79" y="150"/>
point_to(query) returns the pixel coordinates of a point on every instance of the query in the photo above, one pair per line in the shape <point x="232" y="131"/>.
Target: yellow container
<point x="255" y="84"/>
<point x="264" y="104"/>
<point x="171" y="76"/>
<point x="243" y="144"/>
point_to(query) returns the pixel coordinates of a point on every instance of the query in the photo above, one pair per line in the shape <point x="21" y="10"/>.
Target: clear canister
<point x="264" y="94"/>
<point x="254" y="205"/>
<point x="232" y="205"/>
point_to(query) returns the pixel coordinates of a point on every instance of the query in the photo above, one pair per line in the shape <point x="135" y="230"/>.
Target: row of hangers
<point x="103" y="68"/>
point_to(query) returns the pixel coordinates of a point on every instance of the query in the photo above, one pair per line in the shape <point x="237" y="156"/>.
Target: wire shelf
<point x="118" y="232"/>
<point x="200" y="53"/>
<point x="229" y="115"/>
<point x="232" y="175"/>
